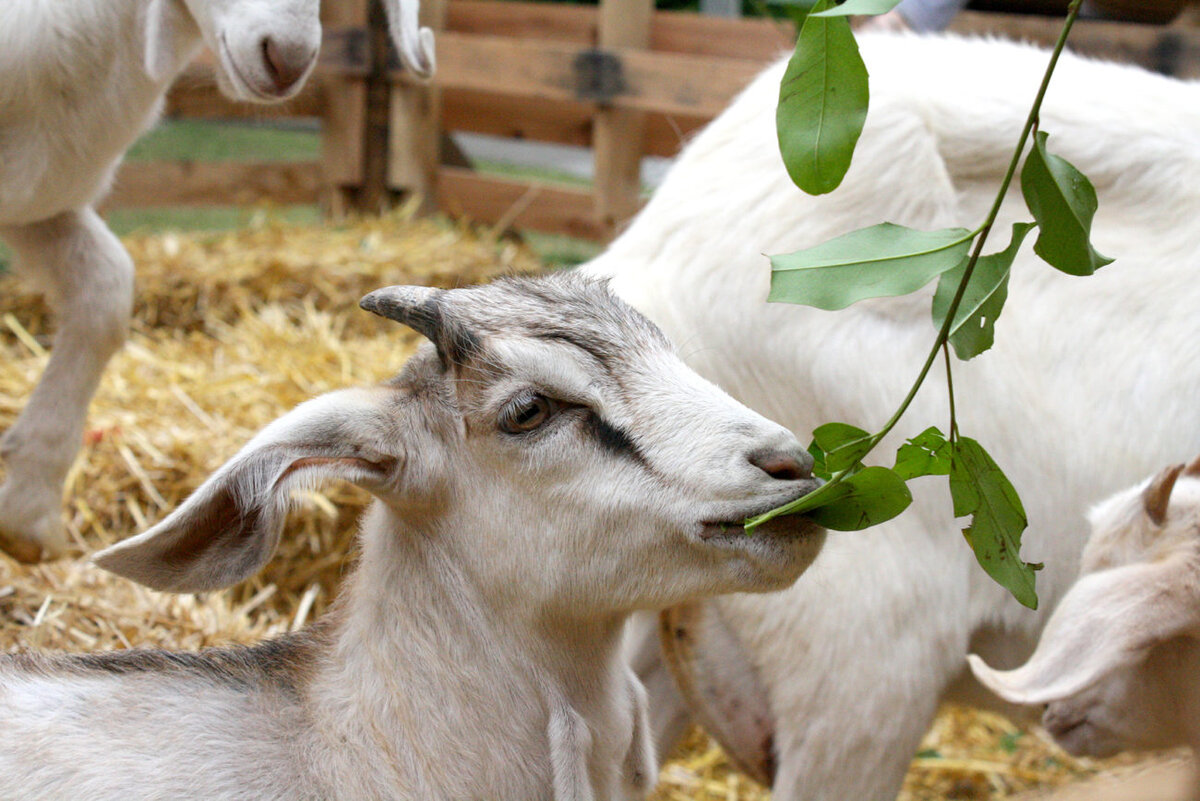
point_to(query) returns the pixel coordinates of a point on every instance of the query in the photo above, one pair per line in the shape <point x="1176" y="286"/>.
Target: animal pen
<point x="620" y="78"/>
<point x="214" y="314"/>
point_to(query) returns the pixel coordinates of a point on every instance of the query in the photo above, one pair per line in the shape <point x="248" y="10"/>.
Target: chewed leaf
<point x="1063" y="202"/>
<point x="927" y="454"/>
<point x="857" y="7"/>
<point x="871" y="496"/>
<point x="822" y="104"/>
<point x="843" y="445"/>
<point x="874" y="495"/>
<point x="973" y="330"/>
<point x="880" y="261"/>
<point x="980" y="489"/>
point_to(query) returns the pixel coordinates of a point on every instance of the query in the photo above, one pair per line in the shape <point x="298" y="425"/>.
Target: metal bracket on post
<point x="599" y="76"/>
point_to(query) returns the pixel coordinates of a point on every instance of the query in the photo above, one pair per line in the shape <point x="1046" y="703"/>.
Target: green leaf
<point x="973" y="330"/>
<point x="1063" y="202"/>
<point x="927" y="454"/>
<point x="843" y="445"/>
<point x="863" y="7"/>
<point x="879" y="261"/>
<point x="822" y="104"/>
<point x="872" y="496"/>
<point x="980" y="489"/>
<point x="869" y="497"/>
<point x="819" y="469"/>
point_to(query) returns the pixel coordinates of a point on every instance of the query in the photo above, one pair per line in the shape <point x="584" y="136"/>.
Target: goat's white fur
<point x="475" y="652"/>
<point x="1091" y="384"/>
<point x="79" y="82"/>
<point x="1118" y="663"/>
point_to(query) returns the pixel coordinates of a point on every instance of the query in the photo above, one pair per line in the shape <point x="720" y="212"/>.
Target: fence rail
<point x="618" y="78"/>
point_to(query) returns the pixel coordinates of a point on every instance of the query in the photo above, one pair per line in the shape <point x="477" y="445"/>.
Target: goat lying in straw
<point x="544" y="468"/>
<point x="1118" y="666"/>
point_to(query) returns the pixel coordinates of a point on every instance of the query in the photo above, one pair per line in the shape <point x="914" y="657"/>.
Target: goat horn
<point x="1193" y="469"/>
<point x="414" y="306"/>
<point x="1157" y="494"/>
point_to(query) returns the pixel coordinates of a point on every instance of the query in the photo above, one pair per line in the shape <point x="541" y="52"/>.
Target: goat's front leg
<point x="88" y="278"/>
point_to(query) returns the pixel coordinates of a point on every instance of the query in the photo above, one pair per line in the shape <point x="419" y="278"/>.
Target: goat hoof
<point x="30" y="536"/>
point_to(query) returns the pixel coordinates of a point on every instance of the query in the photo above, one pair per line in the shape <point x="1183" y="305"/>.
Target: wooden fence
<point x="619" y="78"/>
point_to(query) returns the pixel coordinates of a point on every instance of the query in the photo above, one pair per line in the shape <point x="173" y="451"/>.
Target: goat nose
<point x="785" y="465"/>
<point x="286" y="61"/>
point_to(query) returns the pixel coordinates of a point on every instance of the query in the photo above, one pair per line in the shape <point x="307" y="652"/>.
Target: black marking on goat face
<point x="612" y="439"/>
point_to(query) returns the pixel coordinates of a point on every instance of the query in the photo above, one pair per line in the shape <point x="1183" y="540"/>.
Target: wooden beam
<point x="345" y="102"/>
<point x="1173" y="50"/>
<point x="698" y="86"/>
<point x="415" y="136"/>
<point x="671" y="31"/>
<point x="507" y="203"/>
<point x="566" y="122"/>
<point x="215" y="183"/>
<point x="617" y="132"/>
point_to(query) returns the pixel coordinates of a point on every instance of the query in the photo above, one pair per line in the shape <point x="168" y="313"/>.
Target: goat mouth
<point x="234" y="72"/>
<point x="786" y="527"/>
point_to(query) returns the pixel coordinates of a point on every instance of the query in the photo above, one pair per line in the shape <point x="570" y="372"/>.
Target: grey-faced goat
<point x="546" y="467"/>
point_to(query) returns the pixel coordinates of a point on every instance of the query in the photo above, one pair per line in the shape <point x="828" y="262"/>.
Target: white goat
<point x="1118" y="666"/>
<point x="550" y="466"/>
<point x="1091" y="382"/>
<point x="79" y="82"/>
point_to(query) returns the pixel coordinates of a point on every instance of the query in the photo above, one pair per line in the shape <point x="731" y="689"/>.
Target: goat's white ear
<point x="163" y="26"/>
<point x="414" y="43"/>
<point x="230" y="526"/>
<point x="1107" y="620"/>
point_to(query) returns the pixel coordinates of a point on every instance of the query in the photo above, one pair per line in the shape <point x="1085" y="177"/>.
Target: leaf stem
<point x="981" y="235"/>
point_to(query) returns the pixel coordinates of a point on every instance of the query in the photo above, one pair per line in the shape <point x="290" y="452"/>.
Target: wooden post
<point x="415" y="137"/>
<point x="617" y="135"/>
<point x="345" y="104"/>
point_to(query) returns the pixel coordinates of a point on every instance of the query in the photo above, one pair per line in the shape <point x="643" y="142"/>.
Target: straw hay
<point x="232" y="330"/>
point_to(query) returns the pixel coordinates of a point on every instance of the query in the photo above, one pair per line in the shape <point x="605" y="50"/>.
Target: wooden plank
<point x="552" y="21"/>
<point x="617" y="132"/>
<point x="696" y="34"/>
<point x="1170" y="50"/>
<point x="516" y="204"/>
<point x="415" y="136"/>
<point x="215" y="183"/>
<point x="345" y="120"/>
<point x="565" y="122"/>
<point x="196" y="96"/>
<point x="698" y="86"/>
<point x="671" y="31"/>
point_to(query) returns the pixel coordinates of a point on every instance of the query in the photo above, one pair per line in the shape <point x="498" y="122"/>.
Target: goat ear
<point x="163" y="26"/>
<point x="414" y="43"/>
<point x="422" y="309"/>
<point x="230" y="526"/>
<point x="1157" y="495"/>
<point x="1107" y="620"/>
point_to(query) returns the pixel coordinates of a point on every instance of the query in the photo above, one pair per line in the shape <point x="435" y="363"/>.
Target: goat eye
<point x="527" y="413"/>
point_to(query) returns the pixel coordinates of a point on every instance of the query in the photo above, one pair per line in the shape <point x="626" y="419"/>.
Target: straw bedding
<point x="231" y="330"/>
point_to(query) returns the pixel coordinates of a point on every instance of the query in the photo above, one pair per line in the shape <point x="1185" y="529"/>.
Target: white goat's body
<point x="73" y="98"/>
<point x="1091" y="384"/>
<point x="79" y="82"/>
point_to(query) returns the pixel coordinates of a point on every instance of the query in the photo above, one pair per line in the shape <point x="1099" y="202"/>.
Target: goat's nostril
<point x="783" y="466"/>
<point x="285" y="64"/>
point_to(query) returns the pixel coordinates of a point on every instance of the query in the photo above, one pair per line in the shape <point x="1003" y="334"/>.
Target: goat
<point x="544" y="468"/>
<point x="79" y="82"/>
<point x="1117" y="664"/>
<point x="1089" y="381"/>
